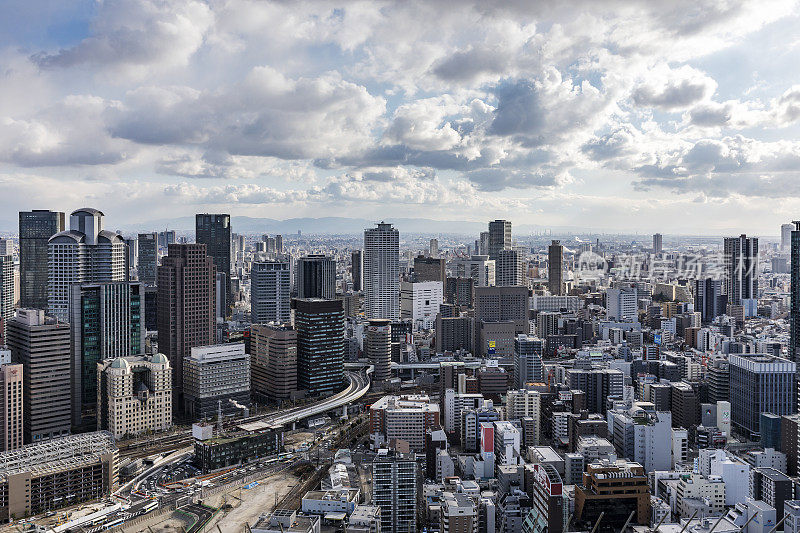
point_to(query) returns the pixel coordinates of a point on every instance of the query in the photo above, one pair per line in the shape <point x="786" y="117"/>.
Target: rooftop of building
<point x="57" y="455"/>
<point x="344" y="495"/>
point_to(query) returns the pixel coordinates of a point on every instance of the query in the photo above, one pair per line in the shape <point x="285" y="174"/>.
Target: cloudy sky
<point x="682" y="117"/>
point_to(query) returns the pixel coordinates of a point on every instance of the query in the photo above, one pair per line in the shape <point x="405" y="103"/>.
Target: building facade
<point x="270" y="292"/>
<point x="147" y="258"/>
<point x="320" y="345"/>
<point x="216" y="377"/>
<point x="35" y="229"/>
<point x="382" y="272"/>
<point x="273" y="362"/>
<point x="316" y="277"/>
<point x="134" y="395"/>
<point x="214" y="230"/>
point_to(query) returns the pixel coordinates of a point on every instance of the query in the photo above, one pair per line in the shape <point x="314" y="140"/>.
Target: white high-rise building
<point x="510" y="268"/>
<point x="622" y="305"/>
<point x="6" y="289"/>
<point x="270" y="292"/>
<point x="420" y="302"/>
<point x="382" y="272"/>
<point x="85" y="253"/>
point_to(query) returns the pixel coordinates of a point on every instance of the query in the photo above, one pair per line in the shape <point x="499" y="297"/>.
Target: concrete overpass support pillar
<point x="294" y="426"/>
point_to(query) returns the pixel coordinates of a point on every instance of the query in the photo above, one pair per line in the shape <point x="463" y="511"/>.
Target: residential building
<point x="741" y="268"/>
<point x="528" y="365"/>
<point x="510" y="268"/>
<point x="11" y="407"/>
<point x="382" y="272"/>
<point x="395" y="489"/>
<point x="356" y="268"/>
<point x="402" y="418"/>
<point x="378" y="350"/>
<point x="458" y="513"/>
<point x="614" y="489"/>
<point x="86" y="253"/>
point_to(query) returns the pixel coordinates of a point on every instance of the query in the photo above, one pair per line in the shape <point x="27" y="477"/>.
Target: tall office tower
<point x="657" y="243"/>
<point x="760" y="383"/>
<point x="131" y="255"/>
<point x="528" y="365"/>
<point x="279" y="244"/>
<point x="86" y="253"/>
<point x="555" y="268"/>
<point x="214" y="230"/>
<point x="622" y="304"/>
<point x="35" y="229"/>
<point x="433" y="249"/>
<point x="786" y="235"/>
<point x="6" y="292"/>
<point x="11" y="407"/>
<point x="6" y="247"/>
<point x="429" y="269"/>
<point x="499" y="237"/>
<point x="510" y="268"/>
<point x="708" y="299"/>
<point x="794" y="305"/>
<point x="478" y="267"/>
<point x="598" y="384"/>
<point x="355" y="270"/>
<point x="106" y="321"/>
<point x="316" y="277"/>
<point x="273" y="362"/>
<point x="378" y="349"/>
<point x="186" y="304"/>
<point x="135" y="395"/>
<point x="382" y="272"/>
<point x="394" y="489"/>
<point x="41" y="345"/>
<point x="482" y="244"/>
<point x="270" y="292"/>
<point x="216" y="377"/>
<point x="148" y="258"/>
<point x="498" y="304"/>
<point x="320" y="345"/>
<point x="741" y="268"/>
<point x="165" y="238"/>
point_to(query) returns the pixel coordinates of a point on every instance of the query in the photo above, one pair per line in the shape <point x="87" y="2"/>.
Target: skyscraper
<point x="279" y="244"/>
<point x="186" y="303"/>
<point x="35" y="229"/>
<point x="320" y="345"/>
<point x="760" y="383"/>
<point x="657" y="243"/>
<point x="741" y="268"/>
<point x="378" y="349"/>
<point x="433" y="248"/>
<point x="214" y="230"/>
<point x="6" y="292"/>
<point x="86" y="253"/>
<point x="478" y="267"/>
<point x="382" y="272"/>
<point x="355" y="270"/>
<point x="786" y="236"/>
<point x="41" y="345"/>
<point x="273" y="365"/>
<point x="429" y="269"/>
<point x="316" y="277"/>
<point x="270" y="292"/>
<point x="395" y="479"/>
<point x="528" y="365"/>
<point x="510" y="268"/>
<point x="794" y="305"/>
<point x="499" y="237"/>
<point x="106" y="322"/>
<point x="11" y="407"/>
<point x="555" y="268"/>
<point x="147" y="265"/>
<point x="708" y="298"/>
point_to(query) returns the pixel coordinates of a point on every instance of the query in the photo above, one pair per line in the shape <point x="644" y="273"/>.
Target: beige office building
<point x="134" y="395"/>
<point x="11" y="407"/>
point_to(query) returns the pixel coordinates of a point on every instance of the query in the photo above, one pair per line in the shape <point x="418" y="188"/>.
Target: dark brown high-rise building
<point x="355" y="269"/>
<point x="186" y="303"/>
<point x="214" y="230"/>
<point x="273" y="364"/>
<point x="555" y="268"/>
<point x="429" y="269"/>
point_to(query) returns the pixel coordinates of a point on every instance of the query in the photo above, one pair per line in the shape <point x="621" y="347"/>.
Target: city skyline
<point x="558" y="116"/>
